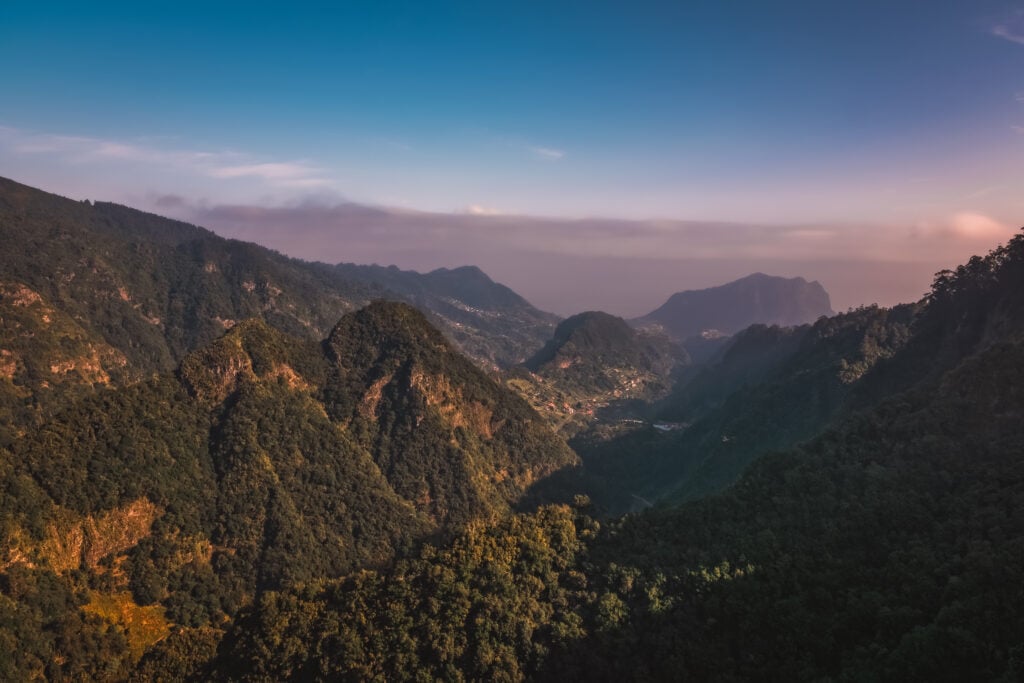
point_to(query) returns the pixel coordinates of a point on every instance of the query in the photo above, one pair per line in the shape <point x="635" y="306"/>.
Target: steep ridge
<point x="838" y="365"/>
<point x="729" y="308"/>
<point x="743" y="360"/>
<point x="445" y="435"/>
<point x="156" y="288"/>
<point x="45" y="355"/>
<point x="268" y="461"/>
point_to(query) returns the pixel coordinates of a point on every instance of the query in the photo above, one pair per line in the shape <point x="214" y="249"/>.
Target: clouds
<point x="1011" y="28"/>
<point x="972" y="229"/>
<point x="354" y="232"/>
<point x="222" y="165"/>
<point x="81" y="149"/>
<point x="478" y="210"/>
<point x="548" y="153"/>
<point x="294" y="206"/>
<point x="292" y="174"/>
<point x="170" y="201"/>
<point x="977" y="226"/>
<point x="627" y="267"/>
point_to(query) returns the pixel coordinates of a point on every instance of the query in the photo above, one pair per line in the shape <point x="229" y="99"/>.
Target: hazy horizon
<point x="586" y="155"/>
<point x="572" y="275"/>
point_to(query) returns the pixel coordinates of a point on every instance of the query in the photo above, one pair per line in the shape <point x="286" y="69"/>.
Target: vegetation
<point x="770" y="389"/>
<point x="180" y="501"/>
<point x="139" y="519"/>
<point x="156" y="289"/>
<point x="596" y="364"/>
<point x="488" y="321"/>
<point x="886" y="549"/>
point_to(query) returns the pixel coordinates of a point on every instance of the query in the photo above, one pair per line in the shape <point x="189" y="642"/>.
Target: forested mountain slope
<point x="288" y="497"/>
<point x="595" y="360"/>
<point x="267" y="461"/>
<point x="155" y="288"/>
<point x="770" y="389"/>
<point x="486" y="319"/>
<point x="889" y="548"/>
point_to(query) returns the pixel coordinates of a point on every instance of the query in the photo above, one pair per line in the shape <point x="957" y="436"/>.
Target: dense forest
<point x="887" y="548"/>
<point x="596" y="365"/>
<point x="248" y="490"/>
<point x="266" y="461"/>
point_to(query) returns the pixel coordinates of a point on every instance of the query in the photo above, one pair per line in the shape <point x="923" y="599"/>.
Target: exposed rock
<point x="72" y="541"/>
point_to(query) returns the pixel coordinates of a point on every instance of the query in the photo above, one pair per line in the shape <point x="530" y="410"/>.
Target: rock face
<point x="329" y="456"/>
<point x="72" y="541"/>
<point x="267" y="460"/>
<point x="757" y="298"/>
<point x="41" y="346"/>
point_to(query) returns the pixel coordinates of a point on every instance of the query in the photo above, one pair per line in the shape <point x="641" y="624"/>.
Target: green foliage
<point x="156" y="289"/>
<point x="116" y="446"/>
<point x="459" y="301"/>
<point x="297" y="499"/>
<point x="596" y="365"/>
<point x="442" y="432"/>
<point x="886" y="549"/>
<point x="255" y="481"/>
<point x="181" y="656"/>
<point x="770" y="389"/>
<point x="309" y="511"/>
<point x="490" y="606"/>
<point x="45" y="636"/>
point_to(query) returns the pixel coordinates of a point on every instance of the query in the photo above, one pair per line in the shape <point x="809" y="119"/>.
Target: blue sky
<point x="839" y="120"/>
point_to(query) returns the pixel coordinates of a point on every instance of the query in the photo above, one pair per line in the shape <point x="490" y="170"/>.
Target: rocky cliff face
<point x="74" y="541"/>
<point x="41" y="346"/>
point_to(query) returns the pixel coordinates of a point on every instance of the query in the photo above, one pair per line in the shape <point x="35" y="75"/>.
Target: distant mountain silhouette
<point x="757" y="298"/>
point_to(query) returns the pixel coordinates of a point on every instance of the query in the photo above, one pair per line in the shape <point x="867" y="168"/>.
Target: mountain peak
<point x="756" y="298"/>
<point x="593" y="360"/>
<point x="589" y="332"/>
<point x="250" y="351"/>
<point x="384" y="329"/>
<point x="463" y="271"/>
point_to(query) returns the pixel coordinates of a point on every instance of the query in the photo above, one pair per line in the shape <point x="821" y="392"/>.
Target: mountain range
<point x="219" y="463"/>
<point x="155" y="288"/>
<point x="886" y="547"/>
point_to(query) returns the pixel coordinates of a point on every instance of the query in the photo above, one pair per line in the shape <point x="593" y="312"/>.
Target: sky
<point x="591" y="155"/>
